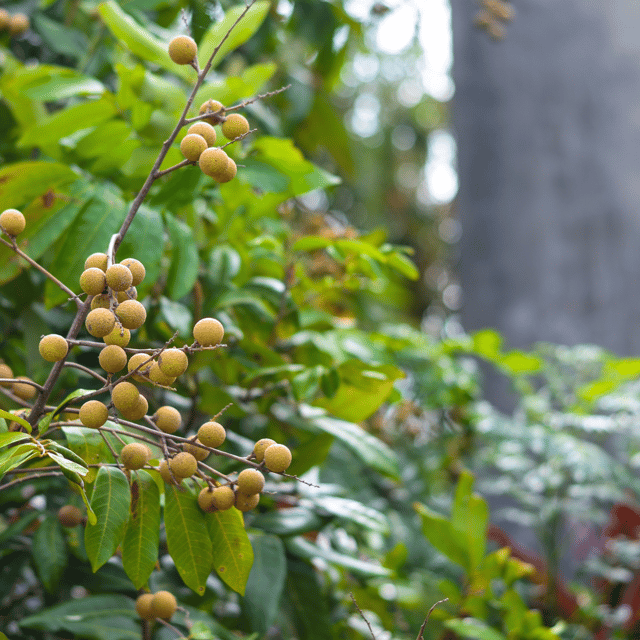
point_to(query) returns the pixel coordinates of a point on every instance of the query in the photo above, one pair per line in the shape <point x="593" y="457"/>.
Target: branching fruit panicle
<point x="208" y="332"/>
<point x="183" y="49"/>
<point x="165" y="474"/>
<point x="129" y="294"/>
<point x="134" y="455"/>
<point x="12" y="222"/>
<point x="156" y="375"/>
<point x="139" y="360"/>
<point x="53" y="347"/>
<point x="205" y="130"/>
<point x="93" y="414"/>
<point x="277" y="458"/>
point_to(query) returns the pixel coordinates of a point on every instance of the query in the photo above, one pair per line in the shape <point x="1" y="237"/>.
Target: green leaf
<point x="232" y="551"/>
<point x="64" y="40"/>
<point x="487" y="343"/>
<point x="441" y="534"/>
<point x="355" y="511"/>
<point x="403" y="265"/>
<point x="12" y="417"/>
<point x="183" y="270"/>
<point x="470" y="520"/>
<point x="472" y="628"/>
<point x="311" y="243"/>
<point x="49" y="552"/>
<point x="16" y="456"/>
<point x="104" y="617"/>
<point x="11" y="437"/>
<point x="187" y="538"/>
<point x="287" y="522"/>
<point x="60" y="83"/>
<point x="142" y="535"/>
<point x="266" y="581"/>
<point x="519" y="362"/>
<point x="88" y="444"/>
<point x="19" y="526"/>
<point x="110" y="502"/>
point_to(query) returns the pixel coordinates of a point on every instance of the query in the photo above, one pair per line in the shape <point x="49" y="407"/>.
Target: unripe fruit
<point x="167" y="419"/>
<point x="131" y="313"/>
<point x="208" y="332"/>
<point x="5" y="372"/>
<point x="229" y="173"/>
<point x="173" y="362"/>
<point x="250" y="481"/>
<point x="18" y="24"/>
<point x="138" y="411"/>
<point x="100" y="322"/>
<point x="183" y="49"/>
<point x="118" y="336"/>
<point x="97" y="260"/>
<point x="205" y="500"/>
<point x="223" y="498"/>
<point x="156" y="375"/>
<point x="163" y="605"/>
<point x="234" y="126"/>
<point x="277" y="458"/>
<point x="260" y="447"/>
<point x="53" y="347"/>
<point x="12" y="222"/>
<point x="212" y="434"/>
<point x="205" y="130"/>
<point x="211" y="106"/>
<point x="192" y="146"/>
<point x="165" y="474"/>
<point x="93" y="414"/>
<point x="183" y="465"/>
<point x="137" y="270"/>
<point x="93" y="281"/>
<point x="112" y="358"/>
<point x="143" y="606"/>
<point x="130" y="294"/>
<point x="244" y="502"/>
<point x="119" y="278"/>
<point x="23" y="391"/>
<point x="124" y="396"/>
<point x="198" y="453"/>
<point x="134" y="455"/>
<point x="213" y="162"/>
<point x="70" y="516"/>
<point x="136" y="361"/>
<point x="101" y="301"/>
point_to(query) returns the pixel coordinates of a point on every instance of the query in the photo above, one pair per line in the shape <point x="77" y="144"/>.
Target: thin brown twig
<point x="30" y="477"/>
<point x="170" y="626"/>
<point x="363" y="616"/>
<point x="424" y="624"/>
<point x="91" y="372"/>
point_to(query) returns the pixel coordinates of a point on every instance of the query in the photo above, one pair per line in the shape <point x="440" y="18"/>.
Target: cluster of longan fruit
<point x="16" y="24"/>
<point x="161" y="604"/>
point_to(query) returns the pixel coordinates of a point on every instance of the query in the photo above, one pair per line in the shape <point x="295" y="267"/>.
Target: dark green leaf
<point x="287" y="522"/>
<point x="183" y="270"/>
<point x="471" y="628"/>
<point x="49" y="552"/>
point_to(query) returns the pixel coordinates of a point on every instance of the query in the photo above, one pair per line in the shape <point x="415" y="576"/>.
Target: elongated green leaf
<point x="232" y="551"/>
<point x="469" y="519"/>
<point x="60" y="83"/>
<point x="16" y="456"/>
<point x="104" y="617"/>
<point x="18" y="527"/>
<point x="88" y="444"/>
<point x="49" y="551"/>
<point x="142" y="535"/>
<point x="184" y="262"/>
<point x="287" y="522"/>
<point x="441" y="534"/>
<point x="12" y="417"/>
<point x="266" y="582"/>
<point x="110" y="502"/>
<point x="471" y="628"/>
<point x="187" y="537"/>
<point x="11" y="437"/>
<point x="65" y="463"/>
<point x="355" y="511"/>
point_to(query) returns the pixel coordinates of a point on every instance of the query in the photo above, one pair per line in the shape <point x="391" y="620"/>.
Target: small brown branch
<point x="31" y="383"/>
<point x="91" y="372"/>
<point x="363" y="616"/>
<point x="174" y="629"/>
<point x="424" y="624"/>
<point x="29" y="477"/>
<point x="184" y="163"/>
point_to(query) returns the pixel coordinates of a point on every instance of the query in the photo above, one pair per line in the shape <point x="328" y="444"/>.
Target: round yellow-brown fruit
<point x="229" y="173"/>
<point x="136" y="361"/>
<point x="192" y="146"/>
<point x="211" y="106"/>
<point x="213" y="162"/>
<point x="212" y="434"/>
<point x="245" y="502"/>
<point x="205" y="500"/>
<point x="208" y="332"/>
<point x="163" y="605"/>
<point x="131" y="314"/>
<point x="277" y="458"/>
<point x="97" y="261"/>
<point x="250" y="481"/>
<point x="130" y="294"/>
<point x="53" y="347"/>
<point x="134" y="455"/>
<point x="101" y="301"/>
<point x="260" y="447"/>
<point x="100" y="322"/>
<point x="112" y="358"/>
<point x="18" y="24"/>
<point x="93" y="414"/>
<point x="198" y="453"/>
<point x="138" y="411"/>
<point x="235" y="126"/>
<point x="183" y="49"/>
<point x="143" y="606"/>
<point x="223" y="498"/>
<point x="125" y="396"/>
<point x="167" y="419"/>
<point x="23" y="391"/>
<point x="119" y="277"/>
<point x="4" y="19"/>
<point x="156" y="375"/>
<point x="5" y="372"/>
<point x="205" y="130"/>
<point x="12" y="222"/>
<point x="70" y="516"/>
<point x="183" y="465"/>
<point x="137" y="270"/>
<point x="173" y="362"/>
<point x="93" y="281"/>
<point x="118" y="336"/>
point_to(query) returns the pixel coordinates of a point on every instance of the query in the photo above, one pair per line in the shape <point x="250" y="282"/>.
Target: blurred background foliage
<point x="329" y="263"/>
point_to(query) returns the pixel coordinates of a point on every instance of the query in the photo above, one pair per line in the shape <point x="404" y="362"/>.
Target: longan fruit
<point x="205" y="500"/>
<point x="97" y="261"/>
<point x="112" y="358"/>
<point x="4" y="19"/>
<point x="234" y="126"/>
<point x="212" y="434"/>
<point x="135" y="361"/>
<point x="156" y="375"/>
<point x="23" y="391"/>
<point x="229" y="173"/>
<point x="134" y="455"/>
<point x="118" y="336"/>
<point x="223" y="498"/>
<point x="192" y="146"/>
<point x="208" y="332"/>
<point x="211" y="106"/>
<point x="130" y="294"/>
<point x="143" y="606"/>
<point x="138" y="411"/>
<point x="93" y="281"/>
<point x="165" y="474"/>
<point x="137" y="270"/>
<point x="100" y="322"/>
<point x="250" y="481"/>
<point x="213" y="162"/>
<point x="198" y="453"/>
<point x="119" y="277"/>
<point x="5" y="372"/>
<point x="183" y="465"/>
<point x="124" y="396"/>
<point x="53" y="347"/>
<point x="167" y="419"/>
<point x="163" y="605"/>
<point x="93" y="414"/>
<point x="277" y="458"/>
<point x="70" y="516"/>
<point x="205" y="130"/>
<point x="18" y="24"/>
<point x="131" y="313"/>
<point x="12" y="222"/>
<point x="244" y="502"/>
<point x="183" y="49"/>
<point x="101" y="301"/>
<point x="173" y="362"/>
<point x="260" y="447"/>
